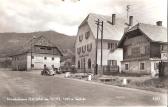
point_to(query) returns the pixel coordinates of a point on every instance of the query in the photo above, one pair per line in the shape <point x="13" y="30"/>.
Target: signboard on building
<point x="164" y="56"/>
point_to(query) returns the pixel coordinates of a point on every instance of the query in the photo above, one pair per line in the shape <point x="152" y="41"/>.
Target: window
<point x="78" y="64"/>
<point x="112" y="62"/>
<point x="142" y="66"/>
<point x="42" y="48"/>
<point x="79" y="50"/>
<point x="83" y="49"/>
<point x="80" y="38"/>
<point x="52" y="58"/>
<point x="45" y="58"/>
<point x="112" y="46"/>
<point x="109" y="45"/>
<point x="156" y="66"/>
<point x="126" y="66"/>
<point x="89" y="47"/>
<point x="32" y="57"/>
<point x="32" y="65"/>
<point x="89" y="64"/>
<point x="163" y="47"/>
<point x="48" y="48"/>
<point x="87" y="34"/>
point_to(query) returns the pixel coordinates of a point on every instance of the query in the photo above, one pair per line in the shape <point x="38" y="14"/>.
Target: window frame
<point x="80" y="38"/>
<point x="125" y="66"/>
<point x="141" y="66"/>
<point x="79" y="64"/>
<point x="89" y="63"/>
<point x="87" y="34"/>
<point x="32" y="65"/>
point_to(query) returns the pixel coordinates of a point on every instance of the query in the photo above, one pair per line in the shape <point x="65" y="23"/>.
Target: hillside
<point x="13" y="41"/>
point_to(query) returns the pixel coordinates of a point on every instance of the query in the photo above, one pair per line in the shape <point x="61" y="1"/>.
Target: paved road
<point x="30" y="89"/>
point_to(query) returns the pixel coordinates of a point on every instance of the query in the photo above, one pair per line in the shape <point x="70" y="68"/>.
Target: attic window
<point x="80" y="38"/>
<point x="87" y="34"/>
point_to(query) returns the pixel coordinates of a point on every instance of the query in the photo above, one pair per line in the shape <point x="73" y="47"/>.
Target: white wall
<point x="107" y="55"/>
<point x="39" y="61"/>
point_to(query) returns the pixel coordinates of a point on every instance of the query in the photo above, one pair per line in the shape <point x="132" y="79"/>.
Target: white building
<point x="35" y="54"/>
<point x="86" y="42"/>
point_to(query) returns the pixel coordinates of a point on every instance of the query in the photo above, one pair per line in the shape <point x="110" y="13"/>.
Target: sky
<point x="65" y="17"/>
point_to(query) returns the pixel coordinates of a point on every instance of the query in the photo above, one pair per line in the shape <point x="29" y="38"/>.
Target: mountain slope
<point x="13" y="41"/>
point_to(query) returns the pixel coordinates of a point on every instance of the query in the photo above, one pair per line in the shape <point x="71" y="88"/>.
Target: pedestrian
<point x="45" y="71"/>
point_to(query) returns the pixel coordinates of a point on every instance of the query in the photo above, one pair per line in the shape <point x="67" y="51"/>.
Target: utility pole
<point x="101" y="45"/>
<point x="31" y="54"/>
<point x="96" y="67"/>
<point x="99" y="23"/>
<point x="32" y="49"/>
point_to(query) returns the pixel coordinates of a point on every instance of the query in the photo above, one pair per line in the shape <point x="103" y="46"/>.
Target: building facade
<point x="86" y="40"/>
<point x="36" y="54"/>
<point x="144" y="46"/>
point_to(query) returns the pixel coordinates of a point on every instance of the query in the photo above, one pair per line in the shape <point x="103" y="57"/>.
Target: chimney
<point x="113" y="19"/>
<point x="159" y="23"/>
<point x="130" y="20"/>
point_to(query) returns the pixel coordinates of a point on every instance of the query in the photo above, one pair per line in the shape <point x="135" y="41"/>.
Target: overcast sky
<point x="65" y="17"/>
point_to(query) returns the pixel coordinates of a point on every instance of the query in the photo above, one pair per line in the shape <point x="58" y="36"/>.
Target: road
<point x="22" y="89"/>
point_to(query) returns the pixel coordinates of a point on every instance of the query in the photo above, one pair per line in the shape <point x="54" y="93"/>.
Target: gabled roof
<point x="113" y="32"/>
<point x="40" y="41"/>
<point x="154" y="33"/>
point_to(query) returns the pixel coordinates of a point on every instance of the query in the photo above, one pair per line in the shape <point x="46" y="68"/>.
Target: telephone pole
<point x="101" y="44"/>
<point x="99" y="23"/>
<point x="96" y="67"/>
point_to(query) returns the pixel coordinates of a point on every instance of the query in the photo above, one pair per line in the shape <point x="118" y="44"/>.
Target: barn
<point x="36" y="53"/>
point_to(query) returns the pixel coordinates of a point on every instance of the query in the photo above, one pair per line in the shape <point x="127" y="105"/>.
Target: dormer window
<point x="87" y="34"/>
<point x="80" y="38"/>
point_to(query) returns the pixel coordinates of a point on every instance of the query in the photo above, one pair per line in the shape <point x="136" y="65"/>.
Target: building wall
<point x="82" y="57"/>
<point x="145" y="51"/>
<point x="108" y="54"/>
<point x="136" y="48"/>
<point x="117" y="55"/>
<point x="38" y="61"/>
<point x="134" y="67"/>
<point x="19" y="62"/>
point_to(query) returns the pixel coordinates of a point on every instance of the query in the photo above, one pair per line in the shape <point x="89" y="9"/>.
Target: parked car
<point x="65" y="69"/>
<point x="48" y="72"/>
